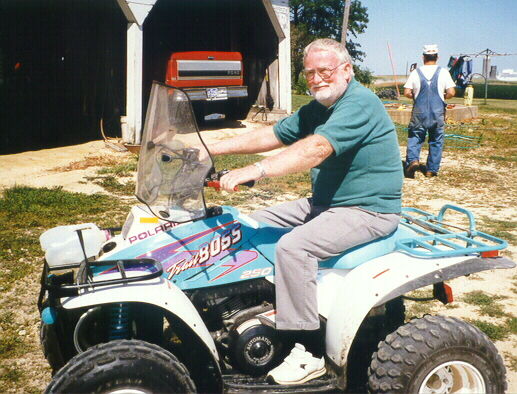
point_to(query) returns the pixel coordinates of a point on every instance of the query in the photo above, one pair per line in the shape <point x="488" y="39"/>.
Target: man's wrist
<point x="261" y="168"/>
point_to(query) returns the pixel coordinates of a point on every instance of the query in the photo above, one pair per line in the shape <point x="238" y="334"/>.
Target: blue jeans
<point x="416" y="137"/>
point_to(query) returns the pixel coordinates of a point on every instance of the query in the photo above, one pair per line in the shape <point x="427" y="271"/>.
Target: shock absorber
<point x="119" y="321"/>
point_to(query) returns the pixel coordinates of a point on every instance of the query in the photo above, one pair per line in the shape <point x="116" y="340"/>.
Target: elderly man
<point x="347" y="140"/>
<point x="429" y="86"/>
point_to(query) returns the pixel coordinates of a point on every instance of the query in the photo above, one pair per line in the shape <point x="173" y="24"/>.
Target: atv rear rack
<point x="438" y="238"/>
<point x="70" y="282"/>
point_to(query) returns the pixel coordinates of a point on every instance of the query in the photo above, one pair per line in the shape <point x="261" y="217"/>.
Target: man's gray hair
<point x="328" y="44"/>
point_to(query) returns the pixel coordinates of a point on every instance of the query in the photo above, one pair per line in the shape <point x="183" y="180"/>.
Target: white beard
<point x="328" y="95"/>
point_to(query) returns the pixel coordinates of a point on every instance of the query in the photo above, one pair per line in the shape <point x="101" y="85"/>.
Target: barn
<point x="71" y="68"/>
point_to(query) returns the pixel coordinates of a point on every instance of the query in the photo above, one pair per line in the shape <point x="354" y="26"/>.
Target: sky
<point x="457" y="26"/>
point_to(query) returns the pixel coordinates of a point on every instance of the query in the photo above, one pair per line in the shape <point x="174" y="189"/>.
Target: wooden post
<point x="134" y="83"/>
<point x="344" y="27"/>
<point x="393" y="69"/>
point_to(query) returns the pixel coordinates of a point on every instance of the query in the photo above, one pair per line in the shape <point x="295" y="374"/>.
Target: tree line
<point x="312" y="19"/>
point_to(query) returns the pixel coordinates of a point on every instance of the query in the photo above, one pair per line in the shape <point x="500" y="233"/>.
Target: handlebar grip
<point x="217" y="185"/>
<point x="249" y="184"/>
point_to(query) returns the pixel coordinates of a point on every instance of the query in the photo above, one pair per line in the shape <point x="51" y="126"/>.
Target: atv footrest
<point x="247" y="384"/>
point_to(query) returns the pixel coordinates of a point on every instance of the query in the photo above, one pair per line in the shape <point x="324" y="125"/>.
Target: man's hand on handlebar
<point x="246" y="175"/>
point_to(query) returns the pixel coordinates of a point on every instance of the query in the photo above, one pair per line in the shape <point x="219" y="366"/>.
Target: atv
<point x="181" y="298"/>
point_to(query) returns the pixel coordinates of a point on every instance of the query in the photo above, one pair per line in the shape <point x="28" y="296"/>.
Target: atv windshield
<point x="173" y="162"/>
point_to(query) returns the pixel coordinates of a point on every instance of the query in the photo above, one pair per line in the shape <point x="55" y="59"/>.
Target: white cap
<point x="430" y="49"/>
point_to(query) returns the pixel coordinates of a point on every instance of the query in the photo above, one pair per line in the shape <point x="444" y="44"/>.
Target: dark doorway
<point x="62" y="69"/>
<point x="209" y="25"/>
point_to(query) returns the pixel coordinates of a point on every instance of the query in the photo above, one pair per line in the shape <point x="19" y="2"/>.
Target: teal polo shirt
<point x="365" y="169"/>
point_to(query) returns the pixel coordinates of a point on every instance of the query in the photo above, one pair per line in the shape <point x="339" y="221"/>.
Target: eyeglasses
<point x="324" y="72"/>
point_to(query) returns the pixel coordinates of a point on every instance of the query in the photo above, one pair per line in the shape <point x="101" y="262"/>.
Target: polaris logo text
<point x="149" y="233"/>
<point x="206" y="252"/>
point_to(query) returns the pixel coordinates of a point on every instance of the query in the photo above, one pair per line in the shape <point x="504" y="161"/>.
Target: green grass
<point x="266" y="189"/>
<point x="512" y="324"/>
<point x="503" y="229"/>
<point x="511" y="159"/>
<point x="480" y="298"/>
<point x="122" y="169"/>
<point x="10" y="375"/>
<point x="500" y="98"/>
<point x="109" y="177"/>
<point x="488" y="304"/>
<point x="25" y="212"/>
<point x="10" y="341"/>
<point x="231" y="162"/>
<point x="416" y="309"/>
<point x="401" y="133"/>
<point x="495" y="90"/>
<point x="300" y="99"/>
<point x="492" y="105"/>
<point x="493" y="331"/>
<point x="112" y="184"/>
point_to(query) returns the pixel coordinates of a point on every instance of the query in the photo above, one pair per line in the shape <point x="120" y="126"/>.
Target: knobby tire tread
<point x="108" y="357"/>
<point x="50" y="346"/>
<point x="402" y="352"/>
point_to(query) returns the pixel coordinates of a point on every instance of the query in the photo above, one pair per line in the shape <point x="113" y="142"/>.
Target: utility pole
<point x="344" y="27"/>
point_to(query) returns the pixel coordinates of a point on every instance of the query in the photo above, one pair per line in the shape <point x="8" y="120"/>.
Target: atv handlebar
<point x="213" y="180"/>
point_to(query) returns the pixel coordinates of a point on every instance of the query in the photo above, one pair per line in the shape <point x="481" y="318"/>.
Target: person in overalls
<point x="429" y="86"/>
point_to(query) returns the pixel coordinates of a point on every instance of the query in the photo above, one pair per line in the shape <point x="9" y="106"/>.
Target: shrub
<point x="494" y="91"/>
<point x="301" y="86"/>
<point x="363" y="75"/>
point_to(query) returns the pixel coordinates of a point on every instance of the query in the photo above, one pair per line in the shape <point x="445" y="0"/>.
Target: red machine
<point x="207" y="75"/>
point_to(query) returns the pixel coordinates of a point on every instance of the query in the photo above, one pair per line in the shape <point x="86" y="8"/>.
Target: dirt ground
<point x="38" y="168"/>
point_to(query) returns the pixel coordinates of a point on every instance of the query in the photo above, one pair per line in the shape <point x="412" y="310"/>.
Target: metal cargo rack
<point x="436" y="238"/>
<point x="70" y="283"/>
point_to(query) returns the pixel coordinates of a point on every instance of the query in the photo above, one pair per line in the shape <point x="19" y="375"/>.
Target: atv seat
<point x="368" y="251"/>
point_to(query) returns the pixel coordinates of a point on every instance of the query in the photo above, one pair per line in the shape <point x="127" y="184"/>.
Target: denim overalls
<point x="428" y="116"/>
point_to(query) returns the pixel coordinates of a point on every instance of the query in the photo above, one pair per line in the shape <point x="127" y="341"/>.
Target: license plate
<point x="216" y="94"/>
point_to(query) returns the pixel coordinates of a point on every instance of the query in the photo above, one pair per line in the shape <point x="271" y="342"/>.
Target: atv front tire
<point x="130" y="365"/>
<point x="437" y="354"/>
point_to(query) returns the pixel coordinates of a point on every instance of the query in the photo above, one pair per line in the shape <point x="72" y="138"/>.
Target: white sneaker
<point x="298" y="367"/>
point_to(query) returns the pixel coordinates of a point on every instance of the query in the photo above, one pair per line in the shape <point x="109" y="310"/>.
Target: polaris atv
<point x="181" y="297"/>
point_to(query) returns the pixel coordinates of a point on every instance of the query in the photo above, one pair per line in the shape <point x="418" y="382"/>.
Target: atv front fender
<point x="159" y="292"/>
<point x="353" y="293"/>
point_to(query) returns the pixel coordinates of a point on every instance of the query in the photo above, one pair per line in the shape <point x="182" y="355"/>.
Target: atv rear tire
<point x="51" y="348"/>
<point x="439" y="355"/>
<point x="132" y="365"/>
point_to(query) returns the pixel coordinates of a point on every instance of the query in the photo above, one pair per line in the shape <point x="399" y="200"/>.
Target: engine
<point x="240" y="318"/>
